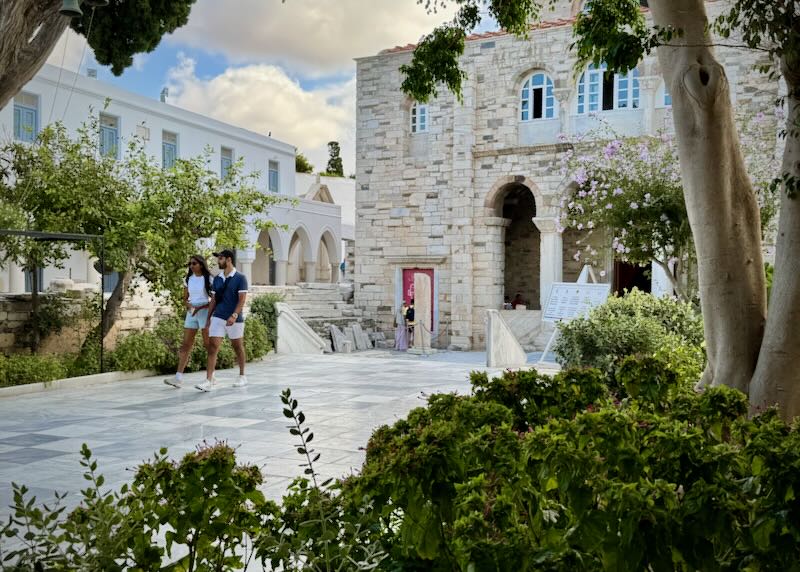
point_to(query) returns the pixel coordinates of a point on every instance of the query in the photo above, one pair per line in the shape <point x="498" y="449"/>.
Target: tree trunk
<point x="722" y="207"/>
<point x="777" y="378"/>
<point x="23" y="50"/>
<point x="114" y="303"/>
<point x="35" y="304"/>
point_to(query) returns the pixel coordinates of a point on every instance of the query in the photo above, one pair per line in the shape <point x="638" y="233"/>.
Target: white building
<point x="307" y="248"/>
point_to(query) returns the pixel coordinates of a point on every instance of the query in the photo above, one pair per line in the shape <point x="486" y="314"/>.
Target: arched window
<point x="537" y="100"/>
<point x="601" y="90"/>
<point x="419" y="118"/>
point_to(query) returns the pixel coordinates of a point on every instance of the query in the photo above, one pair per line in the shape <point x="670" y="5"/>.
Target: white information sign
<point x="569" y="300"/>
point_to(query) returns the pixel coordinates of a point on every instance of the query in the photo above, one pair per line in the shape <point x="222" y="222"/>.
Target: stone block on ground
<point x="340" y="342"/>
<point x="362" y="340"/>
<point x="502" y="348"/>
<point x="348" y="332"/>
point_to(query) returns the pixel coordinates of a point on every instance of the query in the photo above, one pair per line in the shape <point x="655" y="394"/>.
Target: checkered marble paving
<point x="344" y="397"/>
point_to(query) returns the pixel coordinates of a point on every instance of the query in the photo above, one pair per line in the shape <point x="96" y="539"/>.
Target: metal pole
<point x="102" y="297"/>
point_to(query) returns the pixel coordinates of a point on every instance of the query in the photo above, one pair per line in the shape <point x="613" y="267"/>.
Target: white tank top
<point x="197" y="290"/>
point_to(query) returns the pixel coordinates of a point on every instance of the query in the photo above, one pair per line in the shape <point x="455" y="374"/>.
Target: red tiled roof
<point x="474" y="37"/>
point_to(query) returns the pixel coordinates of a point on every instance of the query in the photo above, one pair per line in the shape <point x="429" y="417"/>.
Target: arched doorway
<point x="299" y="258"/>
<point x="327" y="259"/>
<point x="521" y="259"/>
<point x="264" y="263"/>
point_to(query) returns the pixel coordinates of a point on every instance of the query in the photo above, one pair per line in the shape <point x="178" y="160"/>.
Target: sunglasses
<point x="194" y="263"/>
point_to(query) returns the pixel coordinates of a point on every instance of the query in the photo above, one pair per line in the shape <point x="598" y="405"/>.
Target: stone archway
<point x="265" y="270"/>
<point x="302" y="267"/>
<point x="513" y="203"/>
<point x="327" y="259"/>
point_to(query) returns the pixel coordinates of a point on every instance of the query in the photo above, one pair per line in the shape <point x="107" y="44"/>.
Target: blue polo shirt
<point x="229" y="298"/>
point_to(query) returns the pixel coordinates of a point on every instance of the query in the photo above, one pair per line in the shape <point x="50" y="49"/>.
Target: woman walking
<point x="196" y="293"/>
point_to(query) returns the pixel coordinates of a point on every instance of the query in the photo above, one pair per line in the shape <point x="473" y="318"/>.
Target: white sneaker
<point x="241" y="381"/>
<point x="174" y="382"/>
<point x="206" y="386"/>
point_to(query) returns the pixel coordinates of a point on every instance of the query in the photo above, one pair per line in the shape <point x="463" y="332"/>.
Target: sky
<point x="268" y="65"/>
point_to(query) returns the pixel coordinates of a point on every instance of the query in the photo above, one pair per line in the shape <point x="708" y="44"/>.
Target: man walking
<point x="226" y="318"/>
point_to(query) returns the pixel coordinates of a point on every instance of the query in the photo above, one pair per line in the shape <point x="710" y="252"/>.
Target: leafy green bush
<point x="119" y="530"/>
<point x="159" y="348"/>
<point x="24" y="369"/>
<point x="635" y="324"/>
<point x="666" y="479"/>
<point x="256" y="339"/>
<point x="207" y="506"/>
<point x="263" y="308"/>
<point x="143" y="350"/>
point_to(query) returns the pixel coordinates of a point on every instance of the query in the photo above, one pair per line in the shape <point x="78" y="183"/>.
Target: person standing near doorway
<point x="226" y="318"/>
<point x="196" y="293"/>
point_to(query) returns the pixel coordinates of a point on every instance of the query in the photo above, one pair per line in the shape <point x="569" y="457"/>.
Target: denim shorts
<point x="196" y="322"/>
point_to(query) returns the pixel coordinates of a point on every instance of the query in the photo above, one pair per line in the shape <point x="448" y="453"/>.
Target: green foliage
<point x="151" y="218"/>
<point x="769" y="272"/>
<point x="334" y="168"/>
<point x="263" y="309"/>
<point x="23" y="369"/>
<point x="256" y="340"/>
<point x="667" y="479"/>
<point x="302" y="164"/>
<point x="53" y="315"/>
<point x="210" y="505"/>
<point x="143" y="350"/>
<point x="635" y="324"/>
<point x="121" y="30"/>
<point x="208" y="510"/>
<point x="158" y="349"/>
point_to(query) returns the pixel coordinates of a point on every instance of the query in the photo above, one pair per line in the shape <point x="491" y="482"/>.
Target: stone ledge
<point x="415" y="259"/>
<point x="524" y="150"/>
<point x="76" y="382"/>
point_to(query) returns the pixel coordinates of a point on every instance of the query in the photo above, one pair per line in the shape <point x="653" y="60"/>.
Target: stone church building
<point x="469" y="193"/>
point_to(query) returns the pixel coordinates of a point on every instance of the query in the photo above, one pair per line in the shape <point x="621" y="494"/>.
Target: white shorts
<point x="219" y="328"/>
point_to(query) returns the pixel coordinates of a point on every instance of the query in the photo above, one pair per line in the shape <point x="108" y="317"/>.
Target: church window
<point x="602" y="90"/>
<point x="419" y="118"/>
<point x="537" y="100"/>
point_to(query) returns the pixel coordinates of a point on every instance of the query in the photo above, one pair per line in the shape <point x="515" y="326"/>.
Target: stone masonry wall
<point x="428" y="200"/>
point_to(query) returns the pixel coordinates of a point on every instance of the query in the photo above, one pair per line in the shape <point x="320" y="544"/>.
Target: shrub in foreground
<point x="635" y="324"/>
<point x="532" y="473"/>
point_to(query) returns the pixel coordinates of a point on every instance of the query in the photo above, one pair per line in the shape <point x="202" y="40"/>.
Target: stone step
<point x="317" y="314"/>
<point x="318" y="286"/>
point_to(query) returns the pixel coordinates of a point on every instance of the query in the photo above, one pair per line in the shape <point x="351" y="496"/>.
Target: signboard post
<point x="568" y="301"/>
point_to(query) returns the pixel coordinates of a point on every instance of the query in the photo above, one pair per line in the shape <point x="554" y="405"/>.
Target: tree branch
<point x="29" y="29"/>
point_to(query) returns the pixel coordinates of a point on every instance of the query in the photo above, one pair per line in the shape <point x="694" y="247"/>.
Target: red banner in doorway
<point x="408" y="285"/>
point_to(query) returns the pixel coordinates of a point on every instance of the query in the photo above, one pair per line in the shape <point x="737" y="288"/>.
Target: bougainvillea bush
<point x="629" y="191"/>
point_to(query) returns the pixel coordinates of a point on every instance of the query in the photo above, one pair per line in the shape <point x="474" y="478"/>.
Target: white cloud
<point x="262" y="98"/>
<point x="310" y="37"/>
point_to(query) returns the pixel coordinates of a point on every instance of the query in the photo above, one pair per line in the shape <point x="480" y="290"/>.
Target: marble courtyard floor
<point x="344" y="397"/>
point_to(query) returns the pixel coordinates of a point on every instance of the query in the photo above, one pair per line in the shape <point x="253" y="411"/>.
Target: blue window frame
<point x="537" y="100"/>
<point x="109" y="136"/>
<point x="274" y="174"/>
<point x="26" y="117"/>
<point x="226" y="161"/>
<point x="169" y="149"/>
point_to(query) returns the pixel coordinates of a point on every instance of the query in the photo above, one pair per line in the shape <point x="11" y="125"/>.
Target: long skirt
<point x="401" y="338"/>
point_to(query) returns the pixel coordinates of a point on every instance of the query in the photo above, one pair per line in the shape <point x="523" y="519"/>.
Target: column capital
<point x="562" y="94"/>
<point x="245" y="255"/>
<point x="546" y="224"/>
